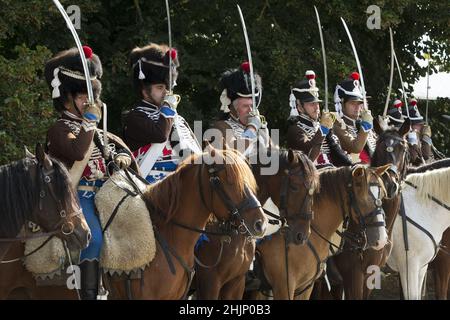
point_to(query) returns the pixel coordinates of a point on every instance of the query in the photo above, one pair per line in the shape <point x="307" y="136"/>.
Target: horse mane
<point x="19" y="191"/>
<point x="333" y="183"/>
<point x="444" y="163"/>
<point x="165" y="195"/>
<point x="435" y="183"/>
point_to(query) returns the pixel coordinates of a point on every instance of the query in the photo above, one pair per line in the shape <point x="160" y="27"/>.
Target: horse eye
<point x="293" y="188"/>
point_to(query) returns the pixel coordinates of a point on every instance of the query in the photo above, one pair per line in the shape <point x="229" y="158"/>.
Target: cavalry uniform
<point x="157" y="134"/>
<point x="308" y="135"/>
<point x="75" y="140"/>
<point x="356" y="136"/>
<point x="237" y="84"/>
<point x="395" y="116"/>
<point x="421" y="145"/>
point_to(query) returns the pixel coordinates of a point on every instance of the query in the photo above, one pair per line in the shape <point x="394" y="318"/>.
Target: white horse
<point x="426" y="198"/>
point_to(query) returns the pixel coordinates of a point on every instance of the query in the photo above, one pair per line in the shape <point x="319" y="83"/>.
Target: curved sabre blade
<point x="249" y="54"/>
<point x="324" y="59"/>
<point x="357" y="62"/>
<point x="169" y="27"/>
<point x="392" y="73"/>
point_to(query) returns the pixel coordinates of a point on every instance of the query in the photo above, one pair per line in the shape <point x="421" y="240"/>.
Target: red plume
<point x="173" y="53"/>
<point x="310" y="75"/>
<point x="245" y="66"/>
<point x="413" y="102"/>
<point x="87" y="52"/>
<point x="354" y="76"/>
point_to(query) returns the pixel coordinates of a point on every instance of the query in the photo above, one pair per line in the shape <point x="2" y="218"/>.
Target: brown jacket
<point x="299" y="139"/>
<point x="349" y="142"/>
<point x="144" y="124"/>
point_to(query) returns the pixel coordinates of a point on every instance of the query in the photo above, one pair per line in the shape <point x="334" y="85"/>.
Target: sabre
<point x="169" y="27"/>
<point x="357" y="63"/>
<point x="392" y="73"/>
<point x="80" y="50"/>
<point x="249" y="55"/>
<point x="428" y="87"/>
<point x="401" y="80"/>
<point x="324" y="59"/>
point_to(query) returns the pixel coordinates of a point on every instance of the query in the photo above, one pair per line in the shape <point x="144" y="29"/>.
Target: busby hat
<point x="150" y="65"/>
<point x="64" y="75"/>
<point x="304" y="90"/>
<point x="348" y="90"/>
<point x="236" y="83"/>
<point x="414" y="114"/>
<point x="395" y="113"/>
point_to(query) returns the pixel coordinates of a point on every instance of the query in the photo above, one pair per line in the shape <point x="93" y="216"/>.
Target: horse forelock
<point x="333" y="182"/>
<point x="434" y="183"/>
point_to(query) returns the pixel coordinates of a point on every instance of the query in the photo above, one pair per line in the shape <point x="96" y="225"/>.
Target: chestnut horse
<point x="180" y="205"/>
<point x="352" y="262"/>
<point x="355" y="192"/>
<point x="224" y="260"/>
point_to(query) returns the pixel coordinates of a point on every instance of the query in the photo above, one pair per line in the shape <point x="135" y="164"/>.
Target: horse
<point x="223" y="261"/>
<point x="36" y="189"/>
<point x="180" y="206"/>
<point x="353" y="192"/>
<point x="352" y="263"/>
<point x="441" y="268"/>
<point x="417" y="233"/>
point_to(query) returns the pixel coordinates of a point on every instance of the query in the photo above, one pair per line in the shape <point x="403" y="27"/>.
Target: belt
<point x="88" y="188"/>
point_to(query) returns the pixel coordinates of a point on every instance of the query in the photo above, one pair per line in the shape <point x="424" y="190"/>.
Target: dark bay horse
<point x="291" y="270"/>
<point x="352" y="262"/>
<point x="37" y="189"/>
<point x="180" y="205"/>
<point x="224" y="261"/>
<point x="441" y="268"/>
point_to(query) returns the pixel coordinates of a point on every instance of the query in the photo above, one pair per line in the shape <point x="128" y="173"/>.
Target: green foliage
<point x="284" y="40"/>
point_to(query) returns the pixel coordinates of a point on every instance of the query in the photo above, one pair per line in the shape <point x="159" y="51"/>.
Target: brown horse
<point x="441" y="268"/>
<point x="222" y="184"/>
<point x="224" y="260"/>
<point x="352" y="262"/>
<point x="36" y="189"/>
<point x="291" y="270"/>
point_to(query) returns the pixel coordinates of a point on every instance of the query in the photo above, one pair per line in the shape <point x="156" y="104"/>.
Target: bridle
<point x="64" y="226"/>
<point x="236" y="221"/>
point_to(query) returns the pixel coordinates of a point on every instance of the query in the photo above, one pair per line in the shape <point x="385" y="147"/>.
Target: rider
<point x="75" y="140"/>
<point x="421" y="143"/>
<point x="241" y="124"/>
<point x="394" y="112"/>
<point x="310" y="133"/>
<point x="157" y="134"/>
<point x="355" y="126"/>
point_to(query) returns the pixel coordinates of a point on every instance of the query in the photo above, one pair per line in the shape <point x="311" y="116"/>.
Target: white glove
<point x="172" y="101"/>
<point x="254" y="121"/>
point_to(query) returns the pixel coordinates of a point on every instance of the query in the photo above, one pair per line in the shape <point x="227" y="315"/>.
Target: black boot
<point x="89" y="280"/>
<point x="334" y="276"/>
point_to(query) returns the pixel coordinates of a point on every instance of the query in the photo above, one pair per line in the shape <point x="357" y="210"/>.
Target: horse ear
<point x="358" y="171"/>
<point x="381" y="170"/>
<point x="291" y="157"/>
<point x="28" y="154"/>
<point x="377" y="127"/>
<point x="405" y="128"/>
<point x="42" y="157"/>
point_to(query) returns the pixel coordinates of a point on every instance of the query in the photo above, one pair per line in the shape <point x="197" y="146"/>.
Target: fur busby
<point x="395" y="113"/>
<point x="236" y="83"/>
<point x="348" y="90"/>
<point x="306" y="89"/>
<point x="414" y="114"/>
<point x="64" y="74"/>
<point x="150" y="65"/>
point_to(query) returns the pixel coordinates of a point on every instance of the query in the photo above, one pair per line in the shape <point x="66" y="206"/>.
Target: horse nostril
<point x="300" y="237"/>
<point x="89" y="236"/>
<point x="258" y="226"/>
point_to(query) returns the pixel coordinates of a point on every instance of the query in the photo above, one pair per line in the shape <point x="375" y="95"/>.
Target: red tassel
<point x="173" y="53"/>
<point x="87" y="52"/>
<point x="245" y="66"/>
<point x="354" y="76"/>
<point x="310" y="75"/>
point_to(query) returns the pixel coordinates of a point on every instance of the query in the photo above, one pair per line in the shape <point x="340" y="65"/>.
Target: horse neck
<point x="391" y="207"/>
<point x="329" y="213"/>
<point x="191" y="212"/>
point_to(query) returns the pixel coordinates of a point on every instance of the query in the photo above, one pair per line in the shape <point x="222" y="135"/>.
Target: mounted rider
<point x="394" y="113"/>
<point x="75" y="140"/>
<point x="157" y="134"/>
<point x="354" y="127"/>
<point x="420" y="135"/>
<point x="240" y="122"/>
<point x="309" y="133"/>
